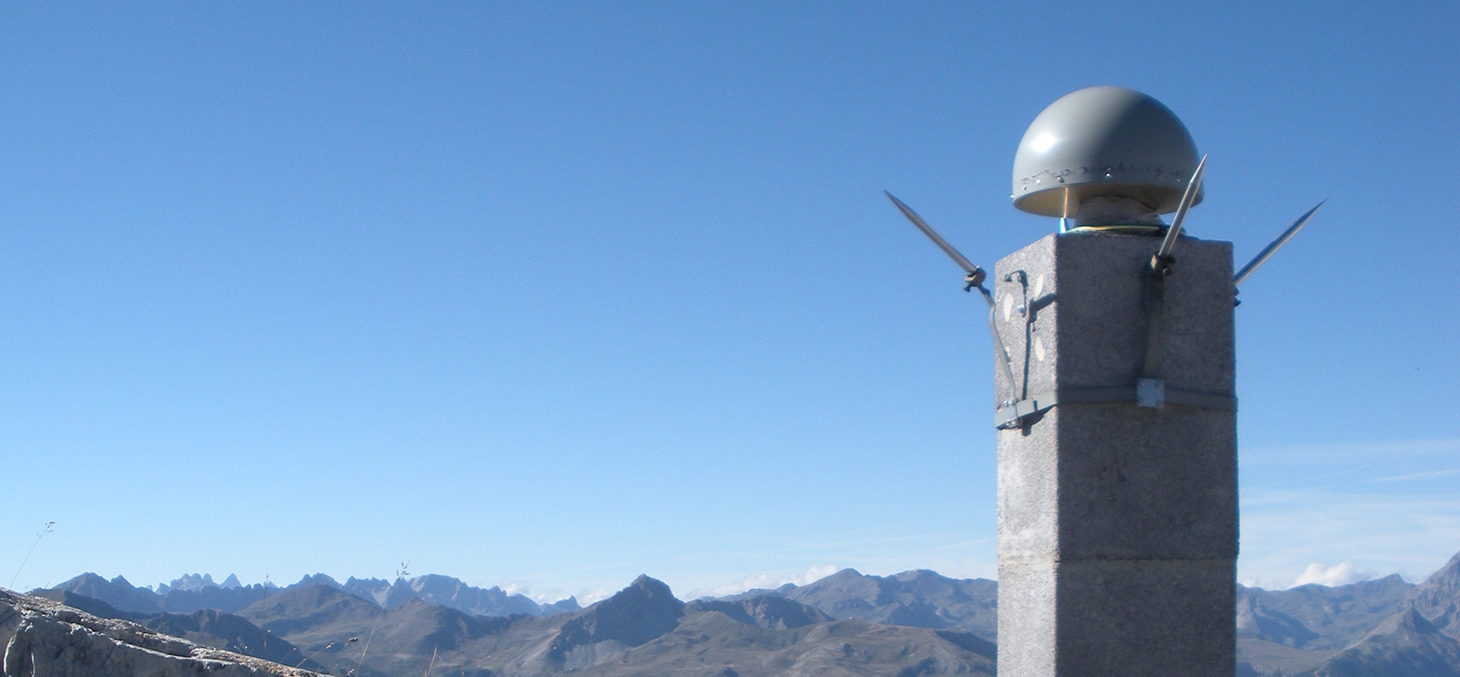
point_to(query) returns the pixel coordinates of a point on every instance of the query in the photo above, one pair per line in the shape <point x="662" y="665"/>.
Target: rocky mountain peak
<point x="1408" y="621"/>
<point x="117" y="592"/>
<point x="645" y="610"/>
<point x="312" y="579"/>
<point x="649" y="586"/>
<point x="193" y="582"/>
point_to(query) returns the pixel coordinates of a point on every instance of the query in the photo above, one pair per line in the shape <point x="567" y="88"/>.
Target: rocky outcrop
<point x="44" y="637"/>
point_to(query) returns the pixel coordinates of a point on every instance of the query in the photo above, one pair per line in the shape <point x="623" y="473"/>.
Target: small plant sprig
<point x="50" y="526"/>
<point x="400" y="574"/>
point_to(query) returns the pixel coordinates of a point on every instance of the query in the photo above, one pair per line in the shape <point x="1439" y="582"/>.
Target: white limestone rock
<point x="42" y="637"/>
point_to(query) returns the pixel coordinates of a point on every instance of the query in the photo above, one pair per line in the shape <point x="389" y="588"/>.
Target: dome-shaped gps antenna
<point x="1104" y="156"/>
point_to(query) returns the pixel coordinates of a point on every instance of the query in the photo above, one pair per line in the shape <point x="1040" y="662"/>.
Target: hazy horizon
<point x="1342" y="573"/>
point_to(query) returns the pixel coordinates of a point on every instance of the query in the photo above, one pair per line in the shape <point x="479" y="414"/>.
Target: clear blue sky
<point x="551" y="295"/>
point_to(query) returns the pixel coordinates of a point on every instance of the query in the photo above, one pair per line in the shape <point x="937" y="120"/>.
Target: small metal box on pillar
<point x="1115" y="402"/>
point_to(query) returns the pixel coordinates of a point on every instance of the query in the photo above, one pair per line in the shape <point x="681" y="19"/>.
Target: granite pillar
<point x="1117" y="524"/>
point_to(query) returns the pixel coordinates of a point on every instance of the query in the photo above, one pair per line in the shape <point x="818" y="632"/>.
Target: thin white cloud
<point x="1342" y="573"/>
<point x="1431" y="474"/>
<point x="589" y="596"/>
<point x="1323" y="454"/>
<point x="1386" y="507"/>
<point x="769" y="581"/>
<point x="1283" y="533"/>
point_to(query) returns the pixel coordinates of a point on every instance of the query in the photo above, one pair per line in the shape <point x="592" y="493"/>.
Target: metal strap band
<point x="1010" y="416"/>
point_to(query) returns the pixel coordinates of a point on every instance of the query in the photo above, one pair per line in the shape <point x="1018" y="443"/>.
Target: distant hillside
<point x="227" y="631"/>
<point x="1379" y="628"/>
<point x="766" y="611"/>
<point x="1316" y="616"/>
<point x="1404" y="645"/>
<point x="922" y="599"/>
<point x="1418" y="640"/>
<point x="1284" y="632"/>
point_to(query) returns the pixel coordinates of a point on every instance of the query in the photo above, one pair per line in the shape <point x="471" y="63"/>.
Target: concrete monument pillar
<point x="1117" y="510"/>
<point x="1115" y="405"/>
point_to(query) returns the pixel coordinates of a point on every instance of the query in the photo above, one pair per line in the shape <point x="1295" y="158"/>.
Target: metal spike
<point x="1271" y="249"/>
<point x="1192" y="188"/>
<point x="974" y="280"/>
<point x="935" y="237"/>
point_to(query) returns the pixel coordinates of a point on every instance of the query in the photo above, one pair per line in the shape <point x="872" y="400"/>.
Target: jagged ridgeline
<point x="194" y="592"/>
<point x="913" y="623"/>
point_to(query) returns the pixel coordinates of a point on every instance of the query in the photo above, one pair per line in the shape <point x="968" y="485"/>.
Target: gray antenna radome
<point x="1104" y="156"/>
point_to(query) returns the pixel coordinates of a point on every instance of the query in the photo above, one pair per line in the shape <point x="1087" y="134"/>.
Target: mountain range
<point x="194" y="592"/>
<point x="916" y="598"/>
<point x="912" y="623"/>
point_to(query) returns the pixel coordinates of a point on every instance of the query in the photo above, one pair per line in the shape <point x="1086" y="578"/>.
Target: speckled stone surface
<point x="1117" y="524"/>
<point x="43" y="638"/>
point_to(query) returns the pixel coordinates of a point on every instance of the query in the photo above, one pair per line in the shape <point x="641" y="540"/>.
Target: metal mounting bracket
<point x="1015" y="415"/>
<point x="1150" y="393"/>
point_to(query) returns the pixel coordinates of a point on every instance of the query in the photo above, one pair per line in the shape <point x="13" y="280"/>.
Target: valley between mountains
<point x="908" y="624"/>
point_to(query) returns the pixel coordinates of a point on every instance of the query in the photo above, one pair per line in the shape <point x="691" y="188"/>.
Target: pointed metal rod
<point x="972" y="280"/>
<point x="1162" y="261"/>
<point x="934" y="236"/>
<point x="1271" y="249"/>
